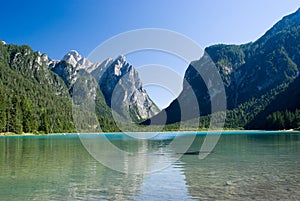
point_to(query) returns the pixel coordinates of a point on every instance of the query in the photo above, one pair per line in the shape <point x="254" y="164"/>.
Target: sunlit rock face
<point x="124" y="92"/>
<point x="119" y="83"/>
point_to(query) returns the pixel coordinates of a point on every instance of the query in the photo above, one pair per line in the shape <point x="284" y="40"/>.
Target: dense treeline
<point x="33" y="99"/>
<point x="283" y="120"/>
<point x="275" y="110"/>
<point x="287" y="100"/>
<point x="17" y="115"/>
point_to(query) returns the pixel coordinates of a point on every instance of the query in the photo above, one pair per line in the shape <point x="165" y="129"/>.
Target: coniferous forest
<point x="33" y="99"/>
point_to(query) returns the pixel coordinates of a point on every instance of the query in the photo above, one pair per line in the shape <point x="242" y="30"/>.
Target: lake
<point x="243" y="166"/>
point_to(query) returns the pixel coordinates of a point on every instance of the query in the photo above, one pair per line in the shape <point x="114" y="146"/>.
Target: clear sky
<point x="57" y="26"/>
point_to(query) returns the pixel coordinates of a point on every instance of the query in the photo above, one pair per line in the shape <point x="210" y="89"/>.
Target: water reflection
<point x="58" y="169"/>
<point x="241" y="167"/>
<point x="137" y="156"/>
<point x="258" y="167"/>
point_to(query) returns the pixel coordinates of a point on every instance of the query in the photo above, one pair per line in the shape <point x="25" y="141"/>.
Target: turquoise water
<point x="243" y="166"/>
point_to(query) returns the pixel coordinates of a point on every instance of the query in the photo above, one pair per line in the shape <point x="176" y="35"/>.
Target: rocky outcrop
<point x="124" y="92"/>
<point x="119" y="83"/>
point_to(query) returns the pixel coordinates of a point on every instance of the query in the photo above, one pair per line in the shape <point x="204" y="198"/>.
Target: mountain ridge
<point x="119" y="83"/>
<point x="249" y="71"/>
<point x="22" y="70"/>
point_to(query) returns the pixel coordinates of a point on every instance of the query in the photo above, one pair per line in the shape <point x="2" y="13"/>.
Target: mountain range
<point x="118" y="80"/>
<point x="261" y="81"/>
<point x="255" y="76"/>
<point x="49" y="85"/>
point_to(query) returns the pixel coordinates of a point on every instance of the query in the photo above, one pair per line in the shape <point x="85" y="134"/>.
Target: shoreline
<point x="118" y="133"/>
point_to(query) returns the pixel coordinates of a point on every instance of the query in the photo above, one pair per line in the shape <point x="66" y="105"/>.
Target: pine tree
<point x="44" y="125"/>
<point x="28" y="120"/>
<point x="9" y="119"/>
<point x="296" y="123"/>
<point x="15" y="116"/>
<point x="3" y="108"/>
<point x="280" y="121"/>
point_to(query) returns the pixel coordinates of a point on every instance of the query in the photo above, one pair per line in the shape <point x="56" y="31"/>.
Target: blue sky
<point x="57" y="26"/>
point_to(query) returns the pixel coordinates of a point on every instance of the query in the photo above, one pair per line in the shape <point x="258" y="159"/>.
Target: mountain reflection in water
<point x="242" y="166"/>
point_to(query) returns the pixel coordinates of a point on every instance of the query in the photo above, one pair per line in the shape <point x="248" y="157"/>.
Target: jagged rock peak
<point x="73" y="53"/>
<point x="72" y="57"/>
<point x="121" y="58"/>
<point x="45" y="57"/>
<point x="84" y="63"/>
<point x="119" y="62"/>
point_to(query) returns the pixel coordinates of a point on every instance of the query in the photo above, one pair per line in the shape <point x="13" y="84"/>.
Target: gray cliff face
<point x="119" y="83"/>
<point x="124" y="92"/>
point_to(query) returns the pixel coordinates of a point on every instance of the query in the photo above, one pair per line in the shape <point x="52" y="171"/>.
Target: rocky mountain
<point x="119" y="84"/>
<point x="124" y="92"/>
<point x="46" y="87"/>
<point x="33" y="98"/>
<point x="253" y="73"/>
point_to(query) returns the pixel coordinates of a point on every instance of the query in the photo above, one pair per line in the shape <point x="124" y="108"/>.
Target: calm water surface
<point x="243" y="166"/>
